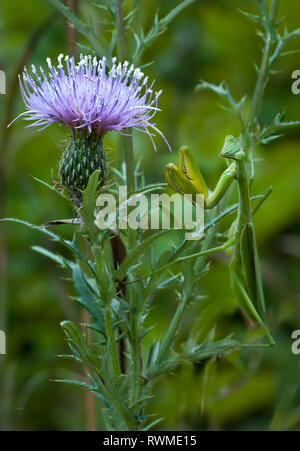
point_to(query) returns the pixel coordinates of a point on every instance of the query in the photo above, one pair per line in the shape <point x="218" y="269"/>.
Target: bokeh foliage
<point x="210" y="40"/>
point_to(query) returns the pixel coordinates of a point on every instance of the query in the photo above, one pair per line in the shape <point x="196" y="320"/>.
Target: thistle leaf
<point x="52" y="188"/>
<point x="71" y="245"/>
<point x="154" y="423"/>
<point x="89" y="197"/>
<point x="78" y="344"/>
<point x="158" y="27"/>
<point x="72" y="382"/>
<point x="59" y="259"/>
<point x="132" y="257"/>
<point x="223" y="91"/>
<point x="88" y="300"/>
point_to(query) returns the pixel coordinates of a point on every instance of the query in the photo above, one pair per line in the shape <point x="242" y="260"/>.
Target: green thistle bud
<point x="84" y="155"/>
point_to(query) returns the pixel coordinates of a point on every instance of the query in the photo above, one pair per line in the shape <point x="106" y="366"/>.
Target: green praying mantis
<point x="245" y="274"/>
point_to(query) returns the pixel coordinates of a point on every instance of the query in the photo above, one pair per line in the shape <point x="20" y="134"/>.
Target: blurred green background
<point x="210" y="40"/>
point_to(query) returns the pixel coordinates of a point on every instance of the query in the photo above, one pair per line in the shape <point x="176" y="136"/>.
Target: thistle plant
<point x="114" y="282"/>
<point x="89" y="102"/>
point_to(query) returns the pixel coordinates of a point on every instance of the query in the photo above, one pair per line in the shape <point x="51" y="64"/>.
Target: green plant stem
<point x="259" y="87"/>
<point x="131" y="296"/>
<point x="128" y="421"/>
<point x="131" y="426"/>
<point x="186" y="258"/>
<point x="274" y="5"/>
<point x="112" y="340"/>
<point x="130" y="180"/>
<point x="264" y="67"/>
<point x="107" y="311"/>
<point x="126" y="140"/>
<point x="121" y="45"/>
<point x="172" y="331"/>
<point x="130" y="170"/>
<point x="136" y="356"/>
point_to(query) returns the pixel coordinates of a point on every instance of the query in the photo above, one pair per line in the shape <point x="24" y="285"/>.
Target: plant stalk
<point x="130" y="180"/>
<point x="126" y="140"/>
<point x="264" y="67"/>
<point x="112" y="340"/>
<point x="172" y="331"/>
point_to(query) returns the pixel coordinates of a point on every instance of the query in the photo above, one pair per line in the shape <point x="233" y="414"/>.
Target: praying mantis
<point x="245" y="274"/>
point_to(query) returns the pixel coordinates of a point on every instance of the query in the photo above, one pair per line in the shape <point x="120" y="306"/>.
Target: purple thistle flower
<point x="88" y="96"/>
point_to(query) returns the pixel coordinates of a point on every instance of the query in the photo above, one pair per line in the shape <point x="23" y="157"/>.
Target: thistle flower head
<point x="86" y="95"/>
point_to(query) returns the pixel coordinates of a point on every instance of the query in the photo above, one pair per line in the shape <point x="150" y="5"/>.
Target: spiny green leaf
<point x="52" y="188"/>
<point x="270" y="139"/>
<point x="153" y="355"/>
<point x="62" y="261"/>
<point x="209" y="349"/>
<point x="196" y="353"/>
<point x="158" y="27"/>
<point x="167" y="281"/>
<point x="71" y="245"/>
<point x="78" y="344"/>
<point x="269" y="131"/>
<point x="132" y="257"/>
<point x="253" y="17"/>
<point x="89" y="197"/>
<point x="87" y="299"/>
<point x="71" y="382"/>
<point x="154" y="423"/>
<point x="165" y="21"/>
<point x="223" y="91"/>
